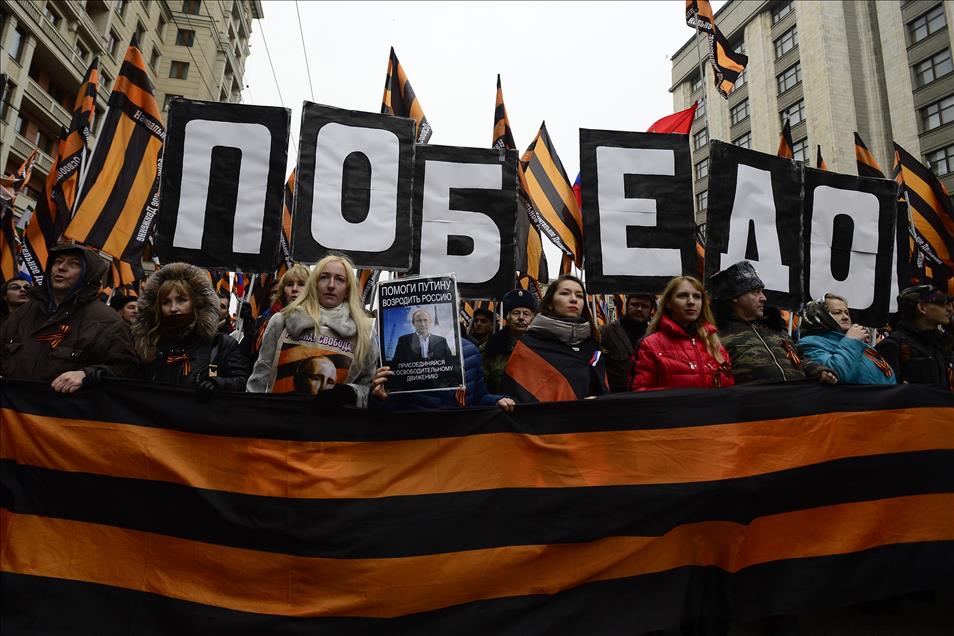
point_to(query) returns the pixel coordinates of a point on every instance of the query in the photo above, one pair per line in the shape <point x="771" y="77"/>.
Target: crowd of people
<point x="317" y="338"/>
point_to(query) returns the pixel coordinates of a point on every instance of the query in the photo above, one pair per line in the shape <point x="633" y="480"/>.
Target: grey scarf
<point x="568" y="331"/>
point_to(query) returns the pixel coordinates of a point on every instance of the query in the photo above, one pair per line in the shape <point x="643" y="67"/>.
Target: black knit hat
<point x="519" y="298"/>
<point x="118" y="301"/>
<point x="734" y="281"/>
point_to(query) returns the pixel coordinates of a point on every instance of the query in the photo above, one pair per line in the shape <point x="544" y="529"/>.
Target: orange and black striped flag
<point x="867" y="164"/>
<point x="11" y="185"/>
<point x="9" y="245"/>
<point x="55" y="207"/>
<point x="700" y="254"/>
<point x="932" y="216"/>
<point x="367" y="283"/>
<point x="551" y="193"/>
<point x="785" y="142"/>
<point x="530" y="257"/>
<point x="119" y="200"/>
<point x="399" y="98"/>
<point x="288" y="207"/>
<point x="727" y="63"/>
<point x="819" y="160"/>
<point x="127" y="505"/>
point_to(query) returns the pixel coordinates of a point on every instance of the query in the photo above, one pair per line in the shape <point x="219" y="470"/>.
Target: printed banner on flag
<point x="419" y="334"/>
<point x="353" y="187"/>
<point x="755" y="214"/>
<point x="465" y="210"/>
<point x="637" y="194"/>
<point x="222" y="191"/>
<point x="849" y="226"/>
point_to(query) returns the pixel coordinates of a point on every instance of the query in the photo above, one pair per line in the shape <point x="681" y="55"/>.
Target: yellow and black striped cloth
<point x="867" y="164"/>
<point x="932" y="215"/>
<point x="399" y="99"/>
<point x="785" y="144"/>
<point x="530" y="259"/>
<point x="55" y="207"/>
<point x="10" y="187"/>
<point x="727" y="63"/>
<point x="120" y="194"/>
<point x="551" y="193"/>
<point x="131" y="508"/>
<point x="819" y="160"/>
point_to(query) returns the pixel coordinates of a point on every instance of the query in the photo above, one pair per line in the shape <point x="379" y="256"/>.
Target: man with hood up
<point x="64" y="335"/>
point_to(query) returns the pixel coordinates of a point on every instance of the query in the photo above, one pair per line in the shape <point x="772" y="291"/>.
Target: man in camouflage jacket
<point x="759" y="347"/>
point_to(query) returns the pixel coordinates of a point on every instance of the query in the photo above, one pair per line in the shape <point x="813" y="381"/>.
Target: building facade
<point x="883" y="69"/>
<point x="192" y="48"/>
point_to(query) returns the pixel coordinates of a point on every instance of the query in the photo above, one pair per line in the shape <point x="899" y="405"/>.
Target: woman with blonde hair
<point x="681" y="348"/>
<point x="286" y="290"/>
<point x="327" y="320"/>
<point x="176" y="333"/>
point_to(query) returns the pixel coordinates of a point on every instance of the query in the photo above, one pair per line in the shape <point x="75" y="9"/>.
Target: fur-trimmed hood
<point x="205" y="302"/>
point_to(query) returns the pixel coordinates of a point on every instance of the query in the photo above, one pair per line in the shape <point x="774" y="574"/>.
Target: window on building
<point x="191" y="7"/>
<point x="786" y="42"/>
<point x="745" y="141"/>
<point x="932" y="68"/>
<point x="790" y="77"/>
<point x="52" y="16"/>
<point x="21" y="125"/>
<point x="169" y="98"/>
<point x="926" y="24"/>
<point x="154" y="58"/>
<point x="5" y="104"/>
<point x="937" y="114"/>
<point x="739" y="112"/>
<point x="179" y="70"/>
<point x="795" y="114"/>
<point x="780" y="10"/>
<point x="81" y="51"/>
<point x="185" y="37"/>
<point x="123" y="5"/>
<point x="112" y="43"/>
<point x="700" y="139"/>
<point x="740" y="47"/>
<point x="696" y="83"/>
<point x="702" y="201"/>
<point x="161" y="27"/>
<point x="17" y="40"/>
<point x="238" y="52"/>
<point x="702" y="169"/>
<point x="140" y="34"/>
<point x="701" y="108"/>
<point x="941" y="161"/>
<point x="800" y="150"/>
<point x="106" y="82"/>
<point x="740" y="81"/>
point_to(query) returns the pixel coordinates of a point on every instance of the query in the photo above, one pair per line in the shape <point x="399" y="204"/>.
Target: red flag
<point x="679" y="123"/>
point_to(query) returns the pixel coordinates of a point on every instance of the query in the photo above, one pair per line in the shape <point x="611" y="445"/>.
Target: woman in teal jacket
<point x="830" y="338"/>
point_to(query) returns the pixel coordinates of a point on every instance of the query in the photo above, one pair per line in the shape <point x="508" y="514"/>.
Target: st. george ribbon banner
<point x="637" y="210"/>
<point x="754" y="214"/>
<point x="849" y="241"/>
<point x="353" y="187"/>
<point x="131" y="508"/>
<point x="222" y="187"/>
<point x="465" y="212"/>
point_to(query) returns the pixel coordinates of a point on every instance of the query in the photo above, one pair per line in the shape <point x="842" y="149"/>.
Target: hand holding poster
<point x="419" y="334"/>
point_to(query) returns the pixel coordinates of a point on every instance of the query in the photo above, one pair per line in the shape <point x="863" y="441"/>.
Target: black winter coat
<point x="186" y="362"/>
<point x="917" y="357"/>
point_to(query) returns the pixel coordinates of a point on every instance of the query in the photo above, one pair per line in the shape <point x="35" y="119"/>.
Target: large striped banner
<point x="132" y="509"/>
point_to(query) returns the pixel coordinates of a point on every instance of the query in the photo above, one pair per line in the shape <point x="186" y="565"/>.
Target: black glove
<point x="338" y="395"/>
<point x="205" y="388"/>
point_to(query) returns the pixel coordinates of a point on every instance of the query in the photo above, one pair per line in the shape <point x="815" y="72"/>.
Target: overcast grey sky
<point x="574" y="64"/>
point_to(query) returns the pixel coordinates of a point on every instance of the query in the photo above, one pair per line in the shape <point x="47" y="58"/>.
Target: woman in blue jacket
<point x="830" y="338"/>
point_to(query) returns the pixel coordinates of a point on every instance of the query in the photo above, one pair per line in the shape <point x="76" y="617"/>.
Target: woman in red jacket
<point x="682" y="348"/>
